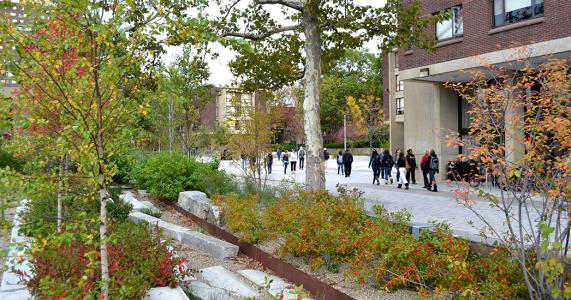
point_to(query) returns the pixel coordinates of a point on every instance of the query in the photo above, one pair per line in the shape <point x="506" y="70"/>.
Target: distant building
<point x="231" y="107"/>
<point x="17" y="15"/>
<point x="419" y="109"/>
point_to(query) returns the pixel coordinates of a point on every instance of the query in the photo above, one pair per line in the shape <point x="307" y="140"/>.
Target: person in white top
<point x="293" y="161"/>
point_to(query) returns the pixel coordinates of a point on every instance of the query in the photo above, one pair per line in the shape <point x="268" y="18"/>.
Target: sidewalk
<point x="424" y="206"/>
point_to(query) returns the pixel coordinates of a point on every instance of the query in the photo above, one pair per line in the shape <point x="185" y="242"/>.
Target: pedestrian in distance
<point x="401" y="167"/>
<point x="375" y="163"/>
<point x="325" y="157"/>
<point x="279" y="153"/>
<point x="301" y="156"/>
<point x="387" y="164"/>
<point x="347" y="162"/>
<point x="340" y="163"/>
<point x="293" y="161"/>
<point x="285" y="160"/>
<point x="244" y="160"/>
<point x="433" y="168"/>
<point x="269" y="162"/>
<point x="411" y="166"/>
<point x="396" y="156"/>
<point x="424" y="160"/>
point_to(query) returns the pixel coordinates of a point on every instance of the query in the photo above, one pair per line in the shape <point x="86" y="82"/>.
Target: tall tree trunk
<point x="59" y="192"/>
<point x="315" y="171"/>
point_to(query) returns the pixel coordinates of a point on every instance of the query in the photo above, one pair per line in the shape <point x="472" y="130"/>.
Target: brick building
<point x="419" y="108"/>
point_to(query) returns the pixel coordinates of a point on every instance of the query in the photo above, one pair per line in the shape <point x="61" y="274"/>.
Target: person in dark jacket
<point x="433" y="168"/>
<point x="411" y="166"/>
<point x="387" y="165"/>
<point x="269" y="162"/>
<point x="347" y="162"/>
<point x="401" y="167"/>
<point x="325" y="157"/>
<point x="396" y="157"/>
<point x="424" y="168"/>
<point x="375" y="162"/>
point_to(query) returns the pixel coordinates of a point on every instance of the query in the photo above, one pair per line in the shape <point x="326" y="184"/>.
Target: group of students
<point x="403" y="167"/>
<point x="289" y="158"/>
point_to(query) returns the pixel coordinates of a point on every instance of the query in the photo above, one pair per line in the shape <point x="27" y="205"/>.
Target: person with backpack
<point x="387" y="165"/>
<point x="293" y="161"/>
<point x="285" y="160"/>
<point x="411" y="166"/>
<point x="340" y="163"/>
<point x="401" y="167"/>
<point x="347" y="162"/>
<point x="433" y="168"/>
<point x="301" y="155"/>
<point x="424" y="160"/>
<point x="375" y="162"/>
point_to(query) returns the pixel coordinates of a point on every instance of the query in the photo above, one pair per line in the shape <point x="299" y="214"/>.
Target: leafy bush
<point x="66" y="265"/>
<point x="243" y="216"/>
<point x="123" y="165"/>
<point x="165" y="175"/>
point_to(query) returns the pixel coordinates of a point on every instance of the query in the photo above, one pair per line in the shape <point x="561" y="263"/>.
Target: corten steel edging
<point x="283" y="269"/>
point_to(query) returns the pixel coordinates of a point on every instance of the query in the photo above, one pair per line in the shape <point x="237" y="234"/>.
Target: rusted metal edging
<point x="316" y="287"/>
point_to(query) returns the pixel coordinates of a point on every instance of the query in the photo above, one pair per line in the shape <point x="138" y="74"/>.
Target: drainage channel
<point x="283" y="269"/>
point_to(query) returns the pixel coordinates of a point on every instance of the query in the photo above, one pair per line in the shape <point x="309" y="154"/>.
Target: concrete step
<point x="137" y="205"/>
<point x="161" y="293"/>
<point x="262" y="279"/>
<point x="204" y="291"/>
<point x="199" y="205"/>
<point x="16" y="295"/>
<point x="219" y="277"/>
<point x="211" y="245"/>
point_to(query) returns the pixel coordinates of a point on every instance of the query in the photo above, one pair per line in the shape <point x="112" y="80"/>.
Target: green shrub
<point x="8" y="160"/>
<point x="123" y="164"/>
<point x="165" y="175"/>
<point x="152" y="212"/>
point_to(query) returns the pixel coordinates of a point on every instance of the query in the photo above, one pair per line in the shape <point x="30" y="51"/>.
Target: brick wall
<point x="478" y="16"/>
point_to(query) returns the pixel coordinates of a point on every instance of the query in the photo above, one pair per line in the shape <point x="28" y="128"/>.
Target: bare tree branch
<point x="294" y="4"/>
<point x="257" y="37"/>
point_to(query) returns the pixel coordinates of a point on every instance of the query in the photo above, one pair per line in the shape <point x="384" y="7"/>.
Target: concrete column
<point x="514" y="134"/>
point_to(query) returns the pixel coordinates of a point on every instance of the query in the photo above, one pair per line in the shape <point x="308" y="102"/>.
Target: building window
<point x="452" y="27"/>
<point x="400" y="106"/>
<point x="513" y="11"/>
<point x="400" y="84"/>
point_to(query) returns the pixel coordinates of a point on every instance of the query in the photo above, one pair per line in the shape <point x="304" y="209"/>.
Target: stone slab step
<point x="204" y="291"/>
<point x="16" y="295"/>
<point x="219" y="277"/>
<point x="211" y="245"/>
<point x="137" y="205"/>
<point x="198" y="204"/>
<point x="261" y="279"/>
<point x="162" y="293"/>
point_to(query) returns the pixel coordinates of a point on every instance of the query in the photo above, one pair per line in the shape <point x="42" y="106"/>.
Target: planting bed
<point x="198" y="259"/>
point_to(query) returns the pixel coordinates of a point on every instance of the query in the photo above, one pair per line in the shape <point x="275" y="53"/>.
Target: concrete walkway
<point x="424" y="206"/>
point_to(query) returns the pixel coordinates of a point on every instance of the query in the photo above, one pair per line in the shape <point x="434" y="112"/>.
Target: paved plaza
<point x="424" y="206"/>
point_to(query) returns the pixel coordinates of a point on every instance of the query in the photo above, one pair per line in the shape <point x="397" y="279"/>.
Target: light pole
<point x="345" y="132"/>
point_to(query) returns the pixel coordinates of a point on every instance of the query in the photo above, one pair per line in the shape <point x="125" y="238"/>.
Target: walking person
<point x="301" y="155"/>
<point x="397" y="153"/>
<point x="347" y="162"/>
<point x="293" y="161"/>
<point x="375" y="162"/>
<point x="340" y="163"/>
<point x="244" y="160"/>
<point x="433" y="168"/>
<point x="424" y="168"/>
<point x="387" y="165"/>
<point x="269" y="162"/>
<point x="285" y="160"/>
<point x="411" y="166"/>
<point x="401" y="167"/>
<point x="325" y="157"/>
<point x="279" y="153"/>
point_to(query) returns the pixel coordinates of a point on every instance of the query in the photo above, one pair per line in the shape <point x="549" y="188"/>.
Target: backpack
<point x="285" y="158"/>
<point x="390" y="161"/>
<point x="434" y="163"/>
<point x="301" y="153"/>
<point x="340" y="159"/>
<point x="377" y="162"/>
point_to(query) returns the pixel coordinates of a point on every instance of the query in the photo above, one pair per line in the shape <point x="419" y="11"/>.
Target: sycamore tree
<point x="86" y="61"/>
<point x="313" y="33"/>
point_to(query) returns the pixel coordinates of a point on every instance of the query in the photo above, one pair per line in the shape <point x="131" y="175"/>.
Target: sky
<point x="220" y="74"/>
